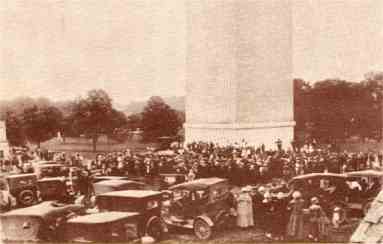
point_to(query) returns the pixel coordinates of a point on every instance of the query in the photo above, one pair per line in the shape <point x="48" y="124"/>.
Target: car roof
<point x="132" y="193"/>
<point x="49" y="165"/>
<point x="18" y="175"/>
<point x="117" y="182"/>
<point x="45" y="162"/>
<point x="365" y="173"/>
<point x="102" y="217"/>
<point x="174" y="174"/>
<point x="42" y="210"/>
<point x="108" y="177"/>
<point x="62" y="178"/>
<point x="199" y="183"/>
<point x="313" y="175"/>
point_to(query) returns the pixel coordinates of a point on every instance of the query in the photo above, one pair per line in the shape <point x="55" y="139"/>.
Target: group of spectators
<point x="241" y="164"/>
<point x="281" y="218"/>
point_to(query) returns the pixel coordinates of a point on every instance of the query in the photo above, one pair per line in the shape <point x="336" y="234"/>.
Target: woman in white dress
<point x="245" y="209"/>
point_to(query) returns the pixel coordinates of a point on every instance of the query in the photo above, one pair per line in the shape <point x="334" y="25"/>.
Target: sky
<point x="135" y="49"/>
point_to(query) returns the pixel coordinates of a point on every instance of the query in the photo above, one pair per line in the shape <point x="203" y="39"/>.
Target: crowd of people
<point x="280" y="218"/>
<point x="241" y="164"/>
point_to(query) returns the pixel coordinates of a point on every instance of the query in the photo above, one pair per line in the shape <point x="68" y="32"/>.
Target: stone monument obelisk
<point x="239" y="72"/>
<point x="4" y="146"/>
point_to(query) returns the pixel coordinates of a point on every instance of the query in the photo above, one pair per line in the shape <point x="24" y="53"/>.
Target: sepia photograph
<point x="191" y="121"/>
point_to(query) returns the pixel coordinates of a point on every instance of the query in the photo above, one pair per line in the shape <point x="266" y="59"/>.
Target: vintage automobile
<point x="55" y="188"/>
<point x="330" y="188"/>
<point x="24" y="188"/>
<point x="162" y="181"/>
<point x="50" y="169"/>
<point x="41" y="222"/>
<point x="362" y="195"/>
<point x="200" y="205"/>
<point x="168" y="180"/>
<point x="120" y="216"/>
<point x="118" y="185"/>
<point x="98" y="178"/>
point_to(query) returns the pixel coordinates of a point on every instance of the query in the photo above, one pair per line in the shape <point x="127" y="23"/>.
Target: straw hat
<point x="267" y="195"/>
<point x="246" y="189"/>
<point x="297" y="194"/>
<point x="314" y="200"/>
<point x="261" y="189"/>
<point x="280" y="195"/>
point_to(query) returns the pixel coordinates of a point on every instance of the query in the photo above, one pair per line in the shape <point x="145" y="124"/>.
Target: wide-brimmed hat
<point x="280" y="195"/>
<point x="246" y="189"/>
<point x="314" y="200"/>
<point x="297" y="194"/>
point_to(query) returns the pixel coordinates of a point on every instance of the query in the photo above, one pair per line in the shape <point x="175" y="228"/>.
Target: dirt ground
<point x="254" y="235"/>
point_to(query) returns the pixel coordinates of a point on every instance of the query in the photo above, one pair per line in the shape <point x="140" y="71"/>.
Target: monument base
<point x="253" y="134"/>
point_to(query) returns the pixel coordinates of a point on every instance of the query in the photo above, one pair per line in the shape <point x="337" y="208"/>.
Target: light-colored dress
<point x="295" y="225"/>
<point x="244" y="210"/>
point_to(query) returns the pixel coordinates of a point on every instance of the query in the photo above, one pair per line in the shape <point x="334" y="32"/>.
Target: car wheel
<point x="202" y="229"/>
<point x="366" y="207"/>
<point x="26" y="197"/>
<point x="155" y="229"/>
<point x="343" y="214"/>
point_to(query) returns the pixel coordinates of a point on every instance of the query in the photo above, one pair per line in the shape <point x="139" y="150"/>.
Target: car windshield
<point x="187" y="195"/>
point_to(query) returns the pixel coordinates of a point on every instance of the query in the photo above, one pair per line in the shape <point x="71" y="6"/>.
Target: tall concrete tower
<point x="4" y="146"/>
<point x="239" y="71"/>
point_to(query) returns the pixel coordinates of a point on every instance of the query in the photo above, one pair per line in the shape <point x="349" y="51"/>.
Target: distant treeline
<point x="34" y="121"/>
<point x="333" y="109"/>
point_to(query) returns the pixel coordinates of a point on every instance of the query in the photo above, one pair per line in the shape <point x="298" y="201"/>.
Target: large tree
<point x="15" y="131"/>
<point x="41" y="123"/>
<point x="94" y="115"/>
<point x="158" y="119"/>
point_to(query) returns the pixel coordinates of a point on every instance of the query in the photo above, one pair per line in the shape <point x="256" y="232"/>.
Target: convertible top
<point x="365" y="173"/>
<point x="199" y="184"/>
<point x="313" y="175"/>
<point x="116" y="183"/>
<point x="132" y="193"/>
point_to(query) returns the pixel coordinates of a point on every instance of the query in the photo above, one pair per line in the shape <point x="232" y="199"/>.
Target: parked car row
<point x="125" y="210"/>
<point x="123" y="215"/>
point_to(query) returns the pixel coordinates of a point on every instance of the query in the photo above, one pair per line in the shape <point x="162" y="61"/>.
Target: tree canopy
<point x="158" y="119"/>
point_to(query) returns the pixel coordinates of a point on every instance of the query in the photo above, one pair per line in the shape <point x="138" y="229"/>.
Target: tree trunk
<point x="94" y="143"/>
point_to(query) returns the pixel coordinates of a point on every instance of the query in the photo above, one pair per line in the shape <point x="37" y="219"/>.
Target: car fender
<point x="206" y="219"/>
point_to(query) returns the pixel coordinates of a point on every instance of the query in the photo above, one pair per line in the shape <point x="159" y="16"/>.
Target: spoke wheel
<point x="202" y="229"/>
<point x="27" y="198"/>
<point x="155" y="230"/>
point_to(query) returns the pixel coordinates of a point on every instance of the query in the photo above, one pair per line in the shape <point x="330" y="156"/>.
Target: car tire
<point x="155" y="229"/>
<point x="343" y="214"/>
<point x="26" y="197"/>
<point x="202" y="229"/>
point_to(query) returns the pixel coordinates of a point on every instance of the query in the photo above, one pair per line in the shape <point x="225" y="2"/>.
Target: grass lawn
<point x="84" y="146"/>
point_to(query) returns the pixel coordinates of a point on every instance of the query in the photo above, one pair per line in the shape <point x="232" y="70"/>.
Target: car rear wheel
<point x="202" y="229"/>
<point x="155" y="229"/>
<point x="26" y="197"/>
<point x="342" y="214"/>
